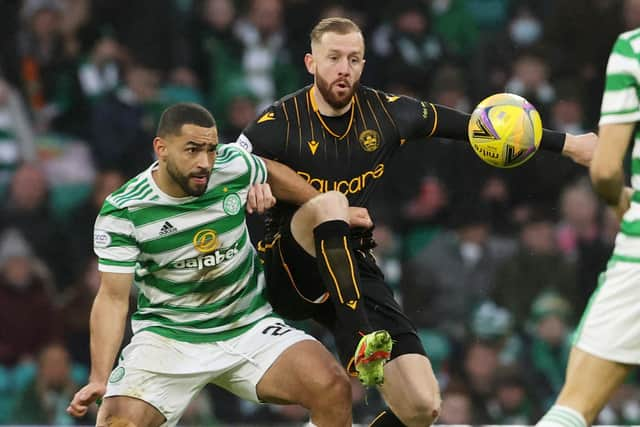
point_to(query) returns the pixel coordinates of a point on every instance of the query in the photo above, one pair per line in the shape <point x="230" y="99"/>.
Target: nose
<point x="343" y="67"/>
<point x="205" y="160"/>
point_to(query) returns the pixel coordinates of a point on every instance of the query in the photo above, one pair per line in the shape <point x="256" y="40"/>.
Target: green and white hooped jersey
<point x="620" y="104"/>
<point x="198" y="275"/>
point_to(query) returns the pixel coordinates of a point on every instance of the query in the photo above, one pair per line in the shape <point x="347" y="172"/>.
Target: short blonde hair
<point x="333" y="25"/>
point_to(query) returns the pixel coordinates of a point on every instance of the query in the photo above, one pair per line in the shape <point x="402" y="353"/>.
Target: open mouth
<point x="342" y="85"/>
<point x="200" y="179"/>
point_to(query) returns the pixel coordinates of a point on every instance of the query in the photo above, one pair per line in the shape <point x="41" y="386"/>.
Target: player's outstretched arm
<point x="453" y="124"/>
<point x="287" y="185"/>
<point x="415" y="119"/>
<point x="580" y="148"/>
<point x="108" y="319"/>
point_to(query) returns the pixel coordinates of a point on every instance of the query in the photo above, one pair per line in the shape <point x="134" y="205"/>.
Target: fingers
<point x="359" y="217"/>
<point x="252" y="202"/>
<point x="269" y="199"/>
<point x="260" y="198"/>
<point x="83" y="398"/>
<point x="363" y="219"/>
<point x="77" y="410"/>
<point x="80" y="403"/>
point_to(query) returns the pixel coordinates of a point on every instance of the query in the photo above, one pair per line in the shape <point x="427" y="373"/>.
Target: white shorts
<point x="167" y="373"/>
<point x="610" y="325"/>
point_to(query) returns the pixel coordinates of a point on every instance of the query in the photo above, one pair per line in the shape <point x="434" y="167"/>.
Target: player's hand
<point x="624" y="203"/>
<point x="85" y="397"/>
<point x="580" y="148"/>
<point x="359" y="218"/>
<point x="260" y="198"/>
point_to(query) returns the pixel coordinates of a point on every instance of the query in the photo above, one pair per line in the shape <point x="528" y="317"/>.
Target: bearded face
<point x="338" y="93"/>
<point x="193" y="183"/>
<point x="337" y="61"/>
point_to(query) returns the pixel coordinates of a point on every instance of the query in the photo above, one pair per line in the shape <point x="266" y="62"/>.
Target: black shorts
<point x="296" y="292"/>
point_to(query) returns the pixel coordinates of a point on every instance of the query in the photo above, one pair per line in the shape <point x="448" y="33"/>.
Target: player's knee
<point x="334" y="386"/>
<point x="330" y="205"/>
<point x="336" y="198"/>
<point x="422" y="412"/>
<point x="115" y="421"/>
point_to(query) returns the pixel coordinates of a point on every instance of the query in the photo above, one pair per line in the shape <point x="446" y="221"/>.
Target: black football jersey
<point x="348" y="153"/>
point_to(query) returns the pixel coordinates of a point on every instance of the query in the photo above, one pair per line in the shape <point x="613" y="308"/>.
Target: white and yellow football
<point x="505" y="130"/>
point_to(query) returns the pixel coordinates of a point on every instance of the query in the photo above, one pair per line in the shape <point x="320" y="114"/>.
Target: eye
<point x="333" y="58"/>
<point x="191" y="150"/>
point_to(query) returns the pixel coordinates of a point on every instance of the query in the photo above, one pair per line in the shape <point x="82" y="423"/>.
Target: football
<point x="505" y="130"/>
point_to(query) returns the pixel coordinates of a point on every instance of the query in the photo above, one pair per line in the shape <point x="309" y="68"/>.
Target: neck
<point x="166" y="183"/>
<point x="324" y="107"/>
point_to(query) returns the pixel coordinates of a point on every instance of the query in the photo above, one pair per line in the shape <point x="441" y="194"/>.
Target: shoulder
<point x="233" y="156"/>
<point x="630" y="35"/>
<point x="298" y="95"/>
<point x="269" y="128"/>
<point x="628" y="44"/>
<point x="230" y="150"/>
<point x="134" y="192"/>
<point x="280" y="110"/>
<point x="388" y="100"/>
<point x="270" y="120"/>
<point x="367" y="92"/>
<point x="236" y="163"/>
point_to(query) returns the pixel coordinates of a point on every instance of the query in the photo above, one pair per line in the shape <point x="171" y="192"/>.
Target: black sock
<point x="339" y="272"/>
<point x="386" y="419"/>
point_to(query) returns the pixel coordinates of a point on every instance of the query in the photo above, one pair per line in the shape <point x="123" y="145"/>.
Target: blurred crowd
<point x="493" y="266"/>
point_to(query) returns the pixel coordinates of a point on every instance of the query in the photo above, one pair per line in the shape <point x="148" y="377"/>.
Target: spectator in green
<point x="455" y="24"/>
<point x="217" y="53"/>
<point x="512" y="403"/>
<point x="45" y="399"/>
<point x="547" y="345"/>
<point x="536" y="266"/>
<point x="16" y="134"/>
<point x="266" y="60"/>
<point x="47" y="71"/>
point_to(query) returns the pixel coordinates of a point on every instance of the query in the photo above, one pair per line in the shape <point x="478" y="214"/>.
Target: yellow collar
<point x="327" y="128"/>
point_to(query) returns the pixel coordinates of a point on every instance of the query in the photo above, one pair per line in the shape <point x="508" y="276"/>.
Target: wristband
<point x="552" y="141"/>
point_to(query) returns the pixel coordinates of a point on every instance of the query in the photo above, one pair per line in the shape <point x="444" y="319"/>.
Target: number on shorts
<point x="276" y="329"/>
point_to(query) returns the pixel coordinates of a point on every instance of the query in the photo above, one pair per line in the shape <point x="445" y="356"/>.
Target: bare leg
<point x="329" y="206"/>
<point x="124" y="411"/>
<point x="321" y="228"/>
<point x="590" y="383"/>
<point x="309" y="375"/>
<point x="411" y="390"/>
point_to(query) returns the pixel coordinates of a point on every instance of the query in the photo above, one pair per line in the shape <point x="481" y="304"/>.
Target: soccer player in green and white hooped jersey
<point x="174" y="244"/>
<point x="178" y="231"/>
<point x="607" y="343"/>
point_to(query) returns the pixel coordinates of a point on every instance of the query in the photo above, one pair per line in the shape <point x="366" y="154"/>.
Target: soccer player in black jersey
<point x="339" y="136"/>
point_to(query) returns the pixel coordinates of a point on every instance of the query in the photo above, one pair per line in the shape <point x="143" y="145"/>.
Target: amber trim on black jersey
<point x="352" y="160"/>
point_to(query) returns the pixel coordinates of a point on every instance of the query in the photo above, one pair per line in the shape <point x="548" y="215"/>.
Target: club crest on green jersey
<point x="231" y="204"/>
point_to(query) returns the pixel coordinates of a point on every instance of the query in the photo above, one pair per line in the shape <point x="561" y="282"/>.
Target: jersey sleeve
<point x="266" y="135"/>
<point x="114" y="241"/>
<point x="257" y="167"/>
<point x="620" y="99"/>
<point x="254" y="165"/>
<point x="413" y="118"/>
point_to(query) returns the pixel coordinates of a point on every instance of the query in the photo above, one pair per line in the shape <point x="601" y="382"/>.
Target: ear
<point x="160" y="148"/>
<point x="309" y="63"/>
